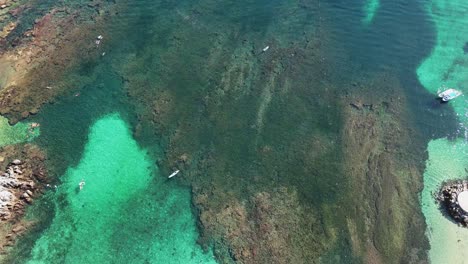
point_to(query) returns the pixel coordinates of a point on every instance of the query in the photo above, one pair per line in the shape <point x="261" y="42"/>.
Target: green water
<point x="18" y="133"/>
<point x="126" y="212"/>
<point x="446" y="65"/>
<point x="370" y="9"/>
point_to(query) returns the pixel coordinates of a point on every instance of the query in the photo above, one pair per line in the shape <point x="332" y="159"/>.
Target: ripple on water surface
<point x="123" y="214"/>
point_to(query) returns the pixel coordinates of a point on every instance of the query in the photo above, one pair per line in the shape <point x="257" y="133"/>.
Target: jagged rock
<point x="18" y="229"/>
<point x="16" y="162"/>
<point x="6" y="196"/>
<point x="448" y="196"/>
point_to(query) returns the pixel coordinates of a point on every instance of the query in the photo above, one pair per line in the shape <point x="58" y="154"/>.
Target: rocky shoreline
<point x="22" y="181"/>
<point x="449" y="197"/>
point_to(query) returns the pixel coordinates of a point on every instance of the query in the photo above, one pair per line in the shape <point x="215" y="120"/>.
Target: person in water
<point x="81" y="184"/>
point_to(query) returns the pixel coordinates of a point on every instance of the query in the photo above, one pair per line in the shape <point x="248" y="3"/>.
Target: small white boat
<point x="265" y="48"/>
<point x="173" y="174"/>
<point x="449" y="94"/>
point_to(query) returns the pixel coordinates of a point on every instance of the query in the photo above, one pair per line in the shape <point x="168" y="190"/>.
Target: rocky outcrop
<point x="14" y="187"/>
<point x="22" y="180"/>
<point x="448" y="197"/>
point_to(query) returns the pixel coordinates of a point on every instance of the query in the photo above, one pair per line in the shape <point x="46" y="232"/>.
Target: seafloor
<point x="310" y="151"/>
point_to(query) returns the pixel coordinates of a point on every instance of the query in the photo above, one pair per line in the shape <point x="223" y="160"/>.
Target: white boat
<point x="265" y="48"/>
<point x="449" y="94"/>
<point x="173" y="174"/>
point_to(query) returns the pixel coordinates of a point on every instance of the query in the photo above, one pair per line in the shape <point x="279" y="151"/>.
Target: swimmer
<point x="81" y="184"/>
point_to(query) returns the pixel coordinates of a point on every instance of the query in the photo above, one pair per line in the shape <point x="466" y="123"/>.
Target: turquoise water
<point x="448" y="160"/>
<point x="370" y="9"/>
<point x="446" y="65"/>
<point x="126" y="212"/>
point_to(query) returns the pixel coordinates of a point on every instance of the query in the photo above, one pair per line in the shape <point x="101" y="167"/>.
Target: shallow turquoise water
<point x="448" y="159"/>
<point x="126" y="212"/>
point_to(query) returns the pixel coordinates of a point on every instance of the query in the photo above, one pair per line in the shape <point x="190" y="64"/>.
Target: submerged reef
<point x="271" y="227"/>
<point x="288" y="160"/>
<point x="381" y="159"/>
<point x="35" y="57"/>
<point x="269" y="139"/>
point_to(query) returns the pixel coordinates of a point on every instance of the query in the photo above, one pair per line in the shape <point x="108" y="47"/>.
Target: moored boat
<point x="449" y="94"/>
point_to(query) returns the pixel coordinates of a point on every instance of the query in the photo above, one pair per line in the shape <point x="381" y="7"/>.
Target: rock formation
<point x="448" y="197"/>
<point x="22" y="180"/>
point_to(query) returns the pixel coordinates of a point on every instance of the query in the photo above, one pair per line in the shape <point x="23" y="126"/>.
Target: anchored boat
<point x="449" y="94"/>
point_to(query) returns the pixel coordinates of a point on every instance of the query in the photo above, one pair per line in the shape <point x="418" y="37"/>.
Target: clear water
<point x="448" y="159"/>
<point x="370" y="9"/>
<point x="128" y="212"/>
<point x="125" y="213"/>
